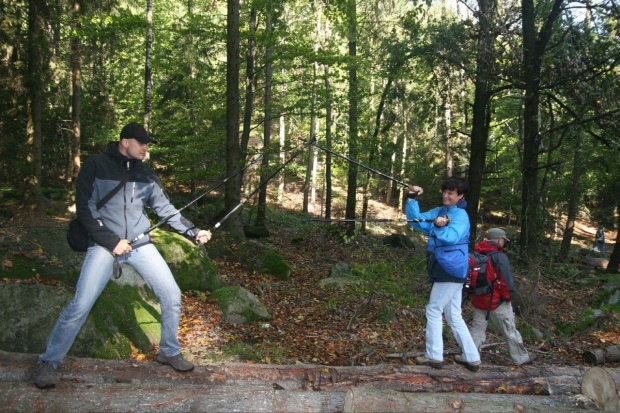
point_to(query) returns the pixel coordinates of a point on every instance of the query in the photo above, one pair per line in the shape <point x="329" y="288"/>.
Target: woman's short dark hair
<point x="460" y="185"/>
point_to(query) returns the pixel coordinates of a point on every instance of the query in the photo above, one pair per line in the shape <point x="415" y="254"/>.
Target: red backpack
<point x="484" y="285"/>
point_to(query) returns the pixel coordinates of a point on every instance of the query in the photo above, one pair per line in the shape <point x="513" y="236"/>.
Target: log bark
<point x="372" y="400"/>
<point x="127" y="385"/>
<point x="602" y="355"/>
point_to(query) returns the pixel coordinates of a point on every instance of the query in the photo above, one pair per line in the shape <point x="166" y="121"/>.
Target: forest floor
<point x="371" y="325"/>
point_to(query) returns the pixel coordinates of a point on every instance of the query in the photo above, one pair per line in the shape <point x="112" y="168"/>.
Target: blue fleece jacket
<point x="447" y="246"/>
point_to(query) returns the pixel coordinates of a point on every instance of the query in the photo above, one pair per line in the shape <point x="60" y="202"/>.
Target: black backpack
<point x="481" y="275"/>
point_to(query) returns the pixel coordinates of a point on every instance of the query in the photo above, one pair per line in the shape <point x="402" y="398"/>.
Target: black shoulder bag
<point x="77" y="234"/>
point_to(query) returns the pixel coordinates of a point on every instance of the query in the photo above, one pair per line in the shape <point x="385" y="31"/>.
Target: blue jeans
<point x="446" y="299"/>
<point x="95" y="274"/>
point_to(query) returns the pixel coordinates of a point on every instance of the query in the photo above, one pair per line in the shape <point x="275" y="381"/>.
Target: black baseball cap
<point x="135" y="131"/>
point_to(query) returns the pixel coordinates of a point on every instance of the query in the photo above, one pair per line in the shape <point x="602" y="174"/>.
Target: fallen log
<point x="532" y="379"/>
<point x="387" y="401"/>
<point x="602" y="355"/>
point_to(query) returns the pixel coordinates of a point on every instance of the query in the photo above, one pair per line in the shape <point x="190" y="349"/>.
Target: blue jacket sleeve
<point x="456" y="230"/>
<point x="412" y="210"/>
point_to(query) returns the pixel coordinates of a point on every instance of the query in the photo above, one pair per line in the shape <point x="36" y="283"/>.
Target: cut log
<point x="599" y="386"/>
<point x="386" y="401"/>
<point x="602" y="355"/>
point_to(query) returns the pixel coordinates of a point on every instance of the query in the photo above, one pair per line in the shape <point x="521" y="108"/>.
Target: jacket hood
<point x="487" y="246"/>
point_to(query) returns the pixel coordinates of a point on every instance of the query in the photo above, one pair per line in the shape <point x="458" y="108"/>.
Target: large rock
<point x="240" y="306"/>
<point x="191" y="271"/>
<point x="275" y="265"/>
<point x="31" y="310"/>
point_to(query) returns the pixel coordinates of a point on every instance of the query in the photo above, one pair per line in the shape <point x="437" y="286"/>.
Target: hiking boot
<point x="177" y="362"/>
<point x="471" y="365"/>
<point x="46" y="375"/>
<point x="423" y="361"/>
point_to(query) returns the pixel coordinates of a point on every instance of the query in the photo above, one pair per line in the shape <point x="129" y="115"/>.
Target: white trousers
<point x="504" y="318"/>
<point x="446" y="299"/>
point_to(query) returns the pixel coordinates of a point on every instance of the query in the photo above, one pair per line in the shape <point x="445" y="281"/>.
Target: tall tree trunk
<point x="614" y="259"/>
<point x="574" y="197"/>
<point x="232" y="194"/>
<point x="328" y="144"/>
<point x="482" y="106"/>
<point x="534" y="45"/>
<point x="308" y="187"/>
<point x="262" y="194"/>
<point x="282" y="145"/>
<point x="148" y="65"/>
<point x="353" y="121"/>
<point x="448" y="126"/>
<point x="249" y="88"/>
<point x="76" y="91"/>
<point x="32" y="181"/>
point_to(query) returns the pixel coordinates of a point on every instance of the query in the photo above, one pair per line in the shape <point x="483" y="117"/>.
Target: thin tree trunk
<point x="232" y="194"/>
<point x="148" y="66"/>
<point x="534" y="45"/>
<point x="32" y="181"/>
<point x="614" y="259"/>
<point x="353" y="121"/>
<point x="76" y="92"/>
<point x="481" y="109"/>
<point x="282" y="145"/>
<point x="249" y="88"/>
<point x="575" y="195"/>
<point x="328" y="144"/>
<point x="262" y="194"/>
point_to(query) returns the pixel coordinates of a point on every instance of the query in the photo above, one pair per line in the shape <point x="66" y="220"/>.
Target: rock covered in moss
<point x="191" y="271"/>
<point x="240" y="306"/>
<point x="275" y="265"/>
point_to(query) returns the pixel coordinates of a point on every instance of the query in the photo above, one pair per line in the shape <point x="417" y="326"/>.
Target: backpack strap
<point x="113" y="192"/>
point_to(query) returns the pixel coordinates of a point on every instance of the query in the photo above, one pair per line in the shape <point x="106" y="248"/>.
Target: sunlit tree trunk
<point x="310" y="168"/>
<point x="282" y="145"/>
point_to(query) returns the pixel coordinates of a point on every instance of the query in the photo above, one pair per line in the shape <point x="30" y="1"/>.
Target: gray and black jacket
<point x="124" y="215"/>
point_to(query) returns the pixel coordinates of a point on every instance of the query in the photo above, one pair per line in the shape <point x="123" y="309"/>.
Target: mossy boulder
<point x="191" y="271"/>
<point x="120" y="318"/>
<point x="399" y="241"/>
<point x="240" y="306"/>
<point x="274" y="264"/>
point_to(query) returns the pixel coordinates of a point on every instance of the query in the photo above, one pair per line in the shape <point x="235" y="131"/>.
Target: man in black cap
<point x="111" y="227"/>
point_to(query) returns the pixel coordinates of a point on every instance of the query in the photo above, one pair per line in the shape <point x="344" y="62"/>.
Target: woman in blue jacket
<point x="448" y="239"/>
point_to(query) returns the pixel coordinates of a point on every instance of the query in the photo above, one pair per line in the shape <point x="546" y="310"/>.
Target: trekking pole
<point x="375" y="220"/>
<point x="213" y="188"/>
<point x="289" y="160"/>
<point x="357" y="163"/>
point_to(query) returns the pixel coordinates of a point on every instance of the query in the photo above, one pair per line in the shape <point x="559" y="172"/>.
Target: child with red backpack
<point x="496" y="303"/>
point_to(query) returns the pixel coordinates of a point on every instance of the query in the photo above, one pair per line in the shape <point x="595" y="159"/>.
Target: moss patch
<point x="275" y="265"/>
